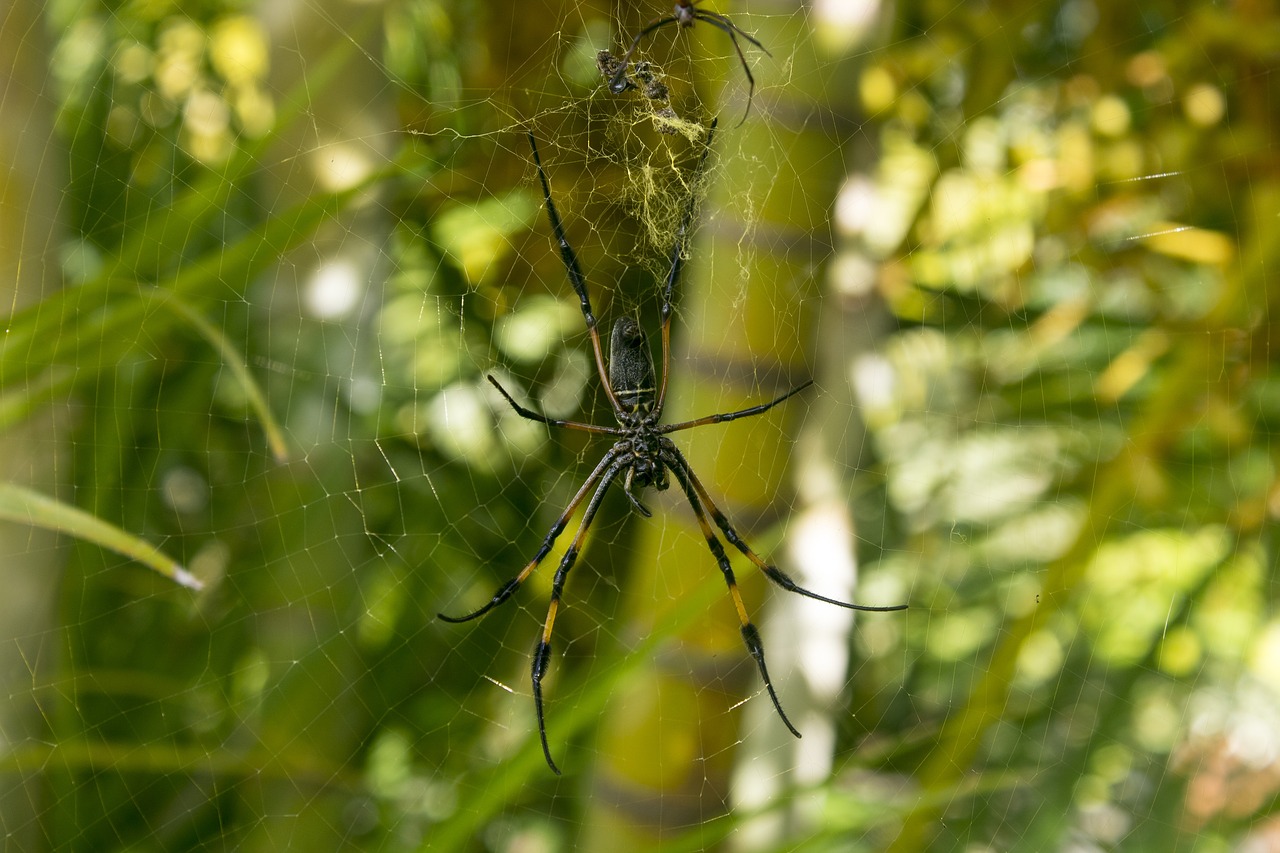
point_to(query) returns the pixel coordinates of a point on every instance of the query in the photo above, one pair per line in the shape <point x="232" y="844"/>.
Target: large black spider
<point x="642" y="455"/>
<point x="683" y="15"/>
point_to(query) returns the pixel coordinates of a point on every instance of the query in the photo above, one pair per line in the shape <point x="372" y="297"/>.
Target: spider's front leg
<point x="542" y="656"/>
<point x="509" y="588"/>
<point x="732" y="30"/>
<point x="750" y="634"/>
<point x="773" y="573"/>
<point x="618" y="84"/>
<point x="702" y="504"/>
<point x="603" y="475"/>
<point x="628" y="484"/>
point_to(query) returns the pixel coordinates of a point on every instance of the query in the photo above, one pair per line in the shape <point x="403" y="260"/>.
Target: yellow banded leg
<point x="542" y="655"/>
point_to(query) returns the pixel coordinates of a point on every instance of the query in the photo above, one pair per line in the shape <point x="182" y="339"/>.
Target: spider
<point x="683" y="15"/>
<point x="641" y="455"/>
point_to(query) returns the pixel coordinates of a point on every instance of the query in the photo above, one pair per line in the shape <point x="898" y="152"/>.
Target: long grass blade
<point x="25" y="506"/>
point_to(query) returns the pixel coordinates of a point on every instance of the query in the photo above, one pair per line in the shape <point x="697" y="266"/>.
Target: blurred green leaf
<point x="24" y="506"/>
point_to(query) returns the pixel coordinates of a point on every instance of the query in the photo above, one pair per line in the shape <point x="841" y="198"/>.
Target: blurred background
<point x="262" y="256"/>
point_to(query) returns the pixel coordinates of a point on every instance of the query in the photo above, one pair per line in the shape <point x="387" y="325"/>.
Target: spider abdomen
<point x="631" y="367"/>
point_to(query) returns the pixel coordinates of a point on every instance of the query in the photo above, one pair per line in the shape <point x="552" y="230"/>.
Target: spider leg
<point x="773" y="573"/>
<point x="534" y="416"/>
<point x="576" y="278"/>
<point x="709" y="17"/>
<point x="618" y="84"/>
<point x="508" y="589"/>
<point x="730" y="29"/>
<point x="733" y="416"/>
<point x="635" y="501"/>
<point x="677" y="264"/>
<point x="750" y="634"/>
<point x="542" y="656"/>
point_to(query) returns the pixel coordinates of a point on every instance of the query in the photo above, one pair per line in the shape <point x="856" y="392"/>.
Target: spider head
<point x="685" y="13"/>
<point x="631" y="367"/>
<point x="650" y="471"/>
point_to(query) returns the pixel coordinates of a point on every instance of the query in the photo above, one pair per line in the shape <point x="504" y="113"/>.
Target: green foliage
<point x="1069" y="216"/>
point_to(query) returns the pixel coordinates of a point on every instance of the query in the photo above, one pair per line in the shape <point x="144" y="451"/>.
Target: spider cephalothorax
<point x="641" y="454"/>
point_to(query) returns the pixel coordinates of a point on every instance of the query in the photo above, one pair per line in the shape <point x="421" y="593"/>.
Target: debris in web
<point x="646" y="78"/>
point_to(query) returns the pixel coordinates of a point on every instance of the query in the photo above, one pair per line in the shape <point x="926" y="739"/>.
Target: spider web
<point x="264" y="260"/>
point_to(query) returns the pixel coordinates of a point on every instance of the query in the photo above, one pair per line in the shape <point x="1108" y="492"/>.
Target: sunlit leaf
<point x="24" y="506"/>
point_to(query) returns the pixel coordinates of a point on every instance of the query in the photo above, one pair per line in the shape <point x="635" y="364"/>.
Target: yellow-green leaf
<point x="27" y="507"/>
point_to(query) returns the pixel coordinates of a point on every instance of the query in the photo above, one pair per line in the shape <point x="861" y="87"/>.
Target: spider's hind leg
<point x="677" y="264"/>
<point x="574" y="270"/>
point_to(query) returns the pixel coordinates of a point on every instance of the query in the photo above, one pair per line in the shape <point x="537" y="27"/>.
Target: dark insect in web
<point x="645" y="78"/>
<point x="641" y="456"/>
<point x="683" y="15"/>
